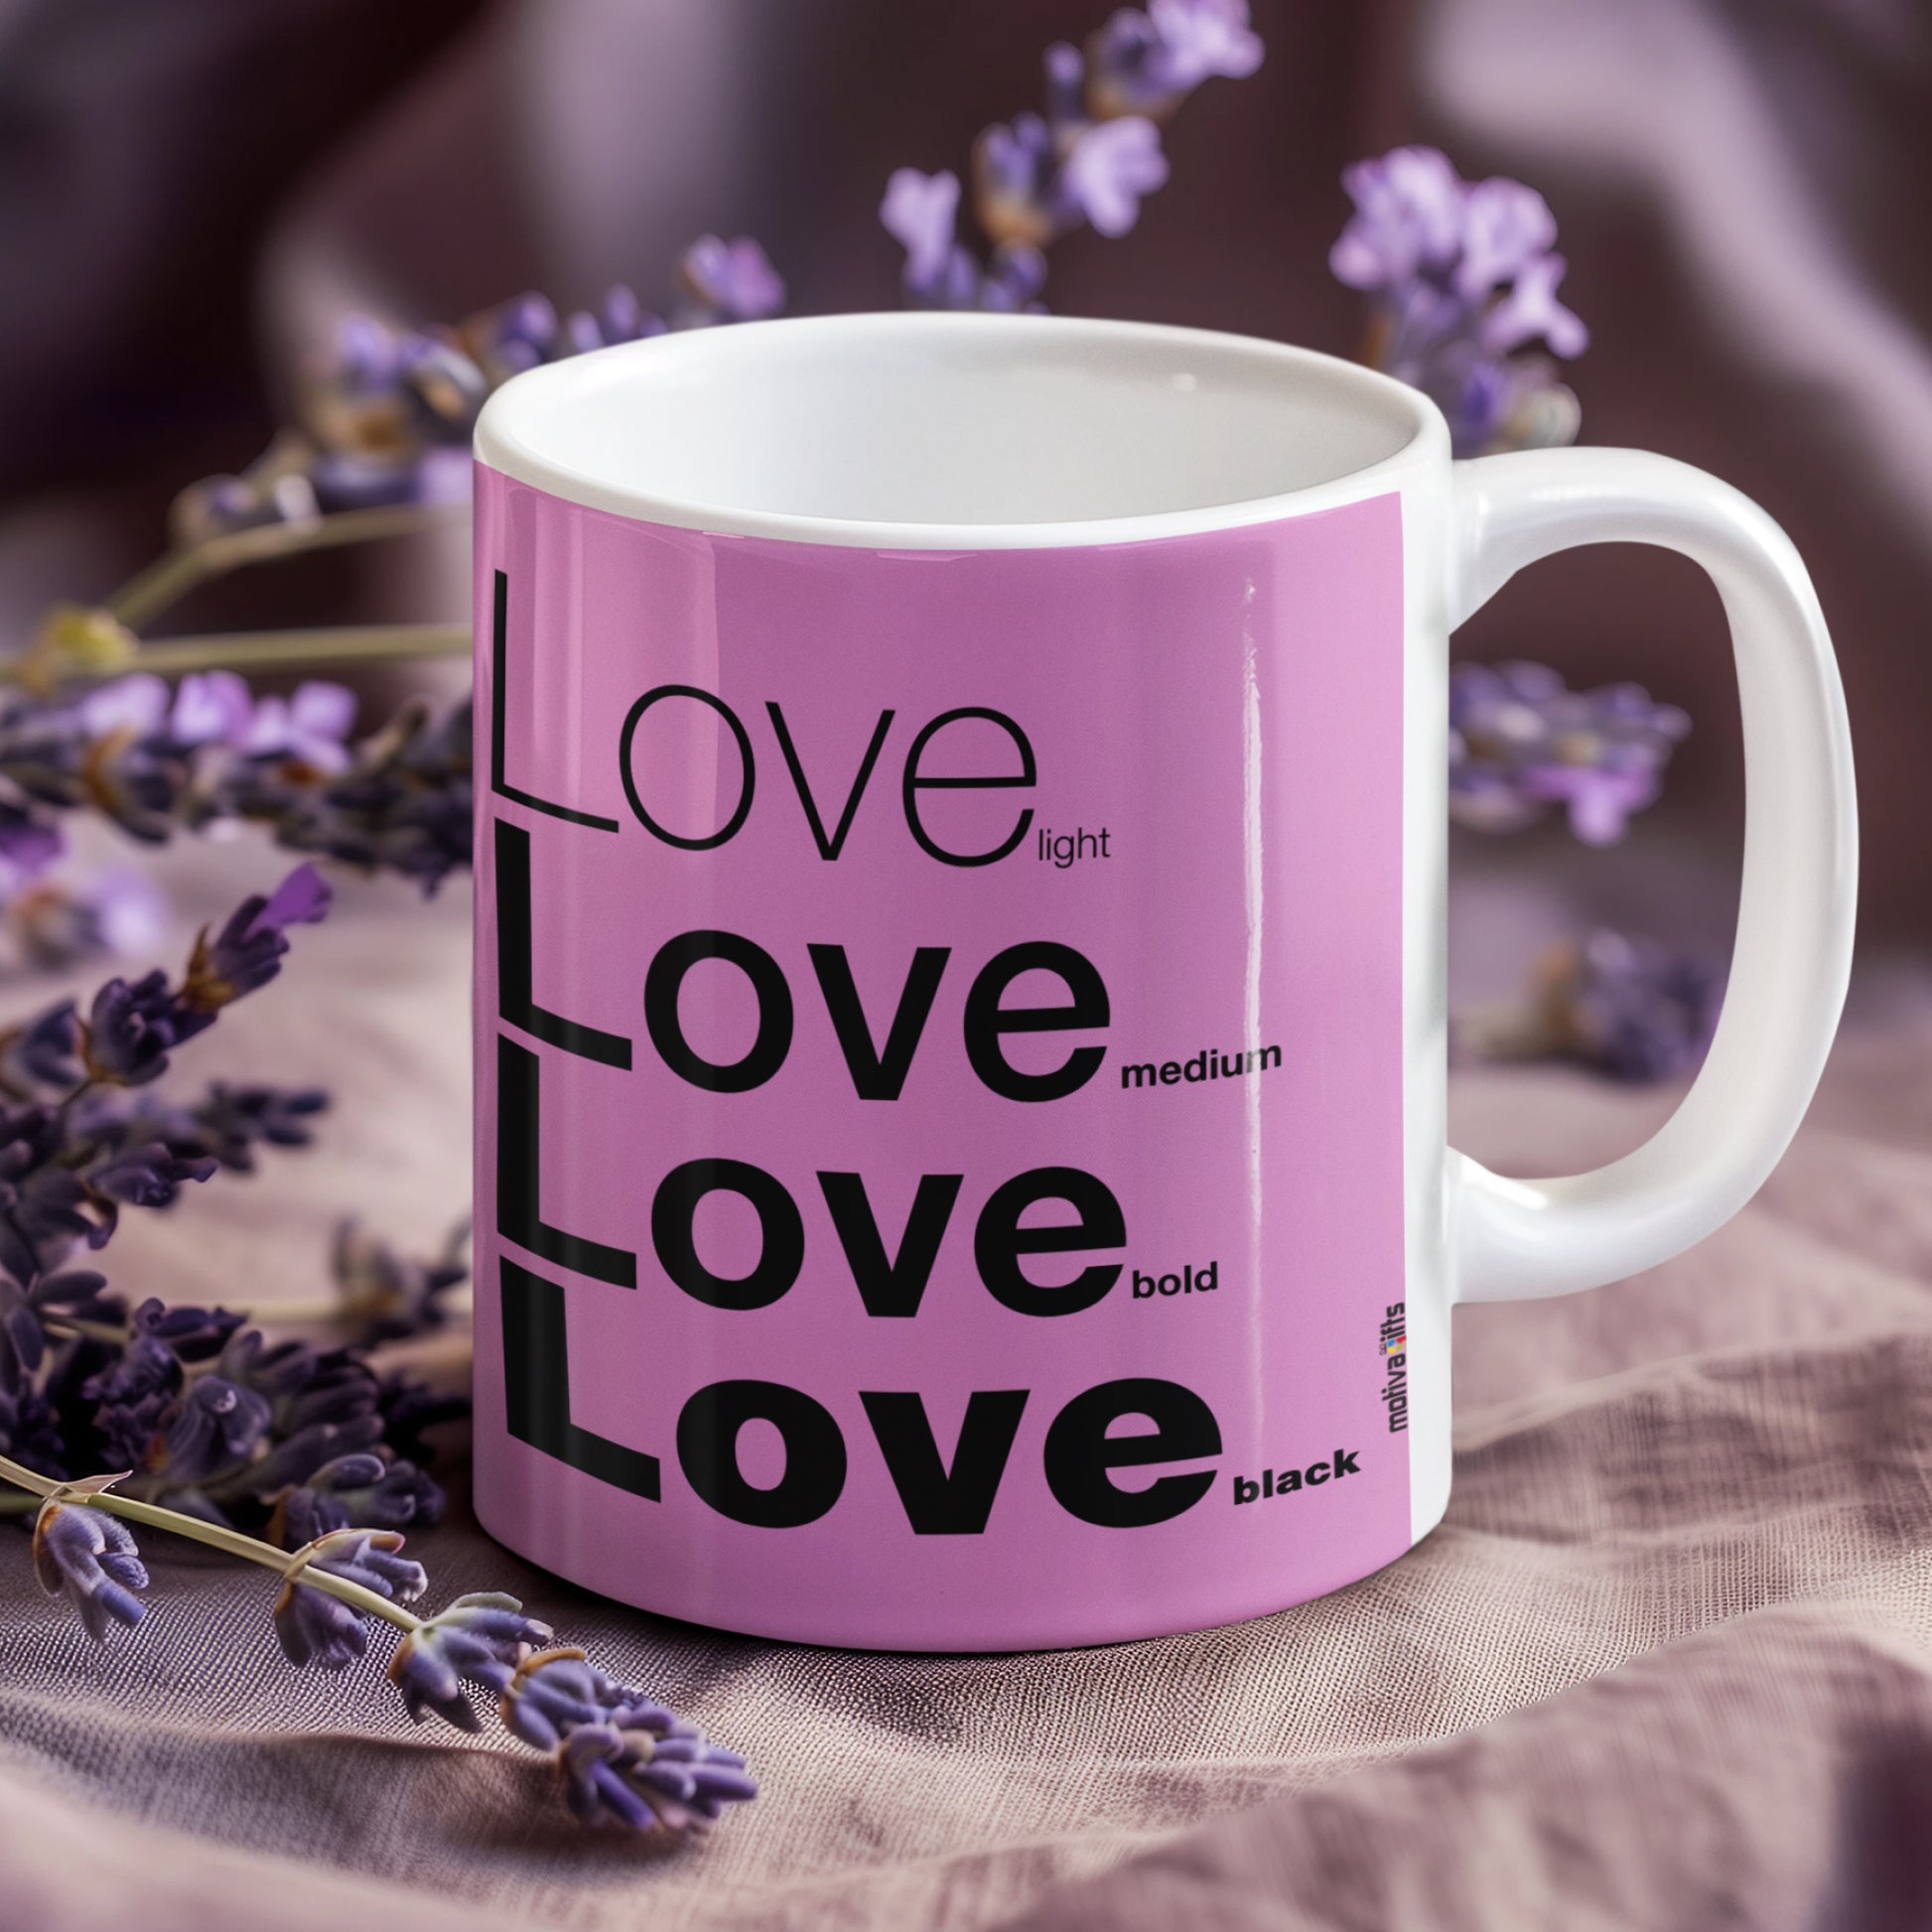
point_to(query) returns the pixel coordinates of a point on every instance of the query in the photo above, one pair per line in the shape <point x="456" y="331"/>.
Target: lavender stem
<point x="170" y="578"/>
<point x="229" y="1542"/>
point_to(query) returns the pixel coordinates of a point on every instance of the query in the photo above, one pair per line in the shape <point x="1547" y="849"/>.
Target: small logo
<point x="1394" y="1339"/>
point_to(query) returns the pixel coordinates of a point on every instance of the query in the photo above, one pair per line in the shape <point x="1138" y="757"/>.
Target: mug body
<point x="959" y="1005"/>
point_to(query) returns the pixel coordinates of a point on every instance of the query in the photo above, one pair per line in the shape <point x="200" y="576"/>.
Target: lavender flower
<point x="1149" y="63"/>
<point x="1109" y="168"/>
<point x="1520" y="740"/>
<point x="74" y="1295"/>
<point x="27" y="844"/>
<point x="405" y="804"/>
<point x="226" y="1126"/>
<point x="385" y="1294"/>
<point x="635" y="1779"/>
<point x="88" y="1557"/>
<point x="44" y="1052"/>
<point x="56" y="923"/>
<point x="920" y="211"/>
<point x="134" y="1395"/>
<point x="310" y="725"/>
<point x="247" y="953"/>
<point x="474" y="1643"/>
<point x="1463" y="279"/>
<point x="132" y="1027"/>
<point x="315" y="1628"/>
<point x="364" y="1490"/>
<point x="727" y="281"/>
<point x="622" y="1757"/>
<point x="400" y="800"/>
<point x="386" y="418"/>
<point x="142" y="1177"/>
<point x="1090" y="156"/>
<point x="215" y="1427"/>
<point x="638" y="1763"/>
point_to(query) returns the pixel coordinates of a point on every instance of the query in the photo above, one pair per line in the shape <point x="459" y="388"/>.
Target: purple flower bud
<point x="1505" y="229"/>
<point x="1017" y="191"/>
<point x="386" y="1296"/>
<point x="1633" y="1007"/>
<point x="136" y="703"/>
<point x="920" y="212"/>
<point x="90" y="1557"/>
<point x="1520" y="740"/>
<point x="1149" y="63"/>
<point x="476" y="1643"/>
<point x="627" y="1777"/>
<point x="132" y="1027"/>
<point x="1463" y="280"/>
<point x="210" y="708"/>
<point x="309" y="727"/>
<point x="147" y="1176"/>
<point x="1110" y="167"/>
<point x="1530" y="312"/>
<point x="359" y="1488"/>
<point x="555" y="1691"/>
<point x="730" y="281"/>
<point x="247" y="951"/>
<point x="218" y="1426"/>
<point x="28" y="846"/>
<point x="46" y="1051"/>
<point x="1408" y="218"/>
<point x="193" y="1334"/>
<point x="1017" y="276"/>
<point x="133" y="1395"/>
<point x="121" y="911"/>
<point x="315" y="1628"/>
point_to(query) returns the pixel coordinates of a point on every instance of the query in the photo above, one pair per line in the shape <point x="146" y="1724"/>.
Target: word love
<point x="674" y="710"/>
<point x="941" y="1494"/>
<point x="943" y="1491"/>
<point x="915" y="780"/>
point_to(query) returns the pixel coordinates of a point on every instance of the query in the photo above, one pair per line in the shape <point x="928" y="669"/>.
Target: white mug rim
<point x="510" y="433"/>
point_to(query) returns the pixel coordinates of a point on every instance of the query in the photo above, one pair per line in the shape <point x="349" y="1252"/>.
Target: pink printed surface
<point x="1227" y="709"/>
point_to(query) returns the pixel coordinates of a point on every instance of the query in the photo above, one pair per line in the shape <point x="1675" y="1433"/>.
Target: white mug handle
<point x="1793" y="951"/>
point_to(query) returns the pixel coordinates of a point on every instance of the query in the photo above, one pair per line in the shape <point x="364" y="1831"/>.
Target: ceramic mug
<point x="959" y="999"/>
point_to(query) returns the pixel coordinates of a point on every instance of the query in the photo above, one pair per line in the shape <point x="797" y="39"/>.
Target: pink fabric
<point x="1667" y="1663"/>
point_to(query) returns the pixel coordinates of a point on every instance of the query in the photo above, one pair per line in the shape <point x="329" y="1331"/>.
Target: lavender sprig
<point x="202" y="1412"/>
<point x="1089" y="158"/>
<point x="619" y="1756"/>
<point x="386" y="419"/>
<point x="400" y="800"/>
<point x="1522" y="743"/>
<point x="1462" y="281"/>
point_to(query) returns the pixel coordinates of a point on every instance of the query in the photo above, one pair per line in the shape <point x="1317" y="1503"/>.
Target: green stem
<point x="275" y="651"/>
<point x="300" y="650"/>
<point x="229" y="1542"/>
<point x="67" y="1324"/>
<point x="165" y="581"/>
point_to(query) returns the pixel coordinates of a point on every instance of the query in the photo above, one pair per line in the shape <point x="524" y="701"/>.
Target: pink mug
<point x="959" y="998"/>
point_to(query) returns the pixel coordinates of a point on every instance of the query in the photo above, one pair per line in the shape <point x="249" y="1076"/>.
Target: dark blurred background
<point x="193" y="192"/>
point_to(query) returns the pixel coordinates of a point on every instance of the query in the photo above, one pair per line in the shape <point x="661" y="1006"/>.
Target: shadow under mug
<point x="959" y="1000"/>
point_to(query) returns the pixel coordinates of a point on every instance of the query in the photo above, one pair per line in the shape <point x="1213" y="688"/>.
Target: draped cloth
<point x="1668" y="1661"/>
